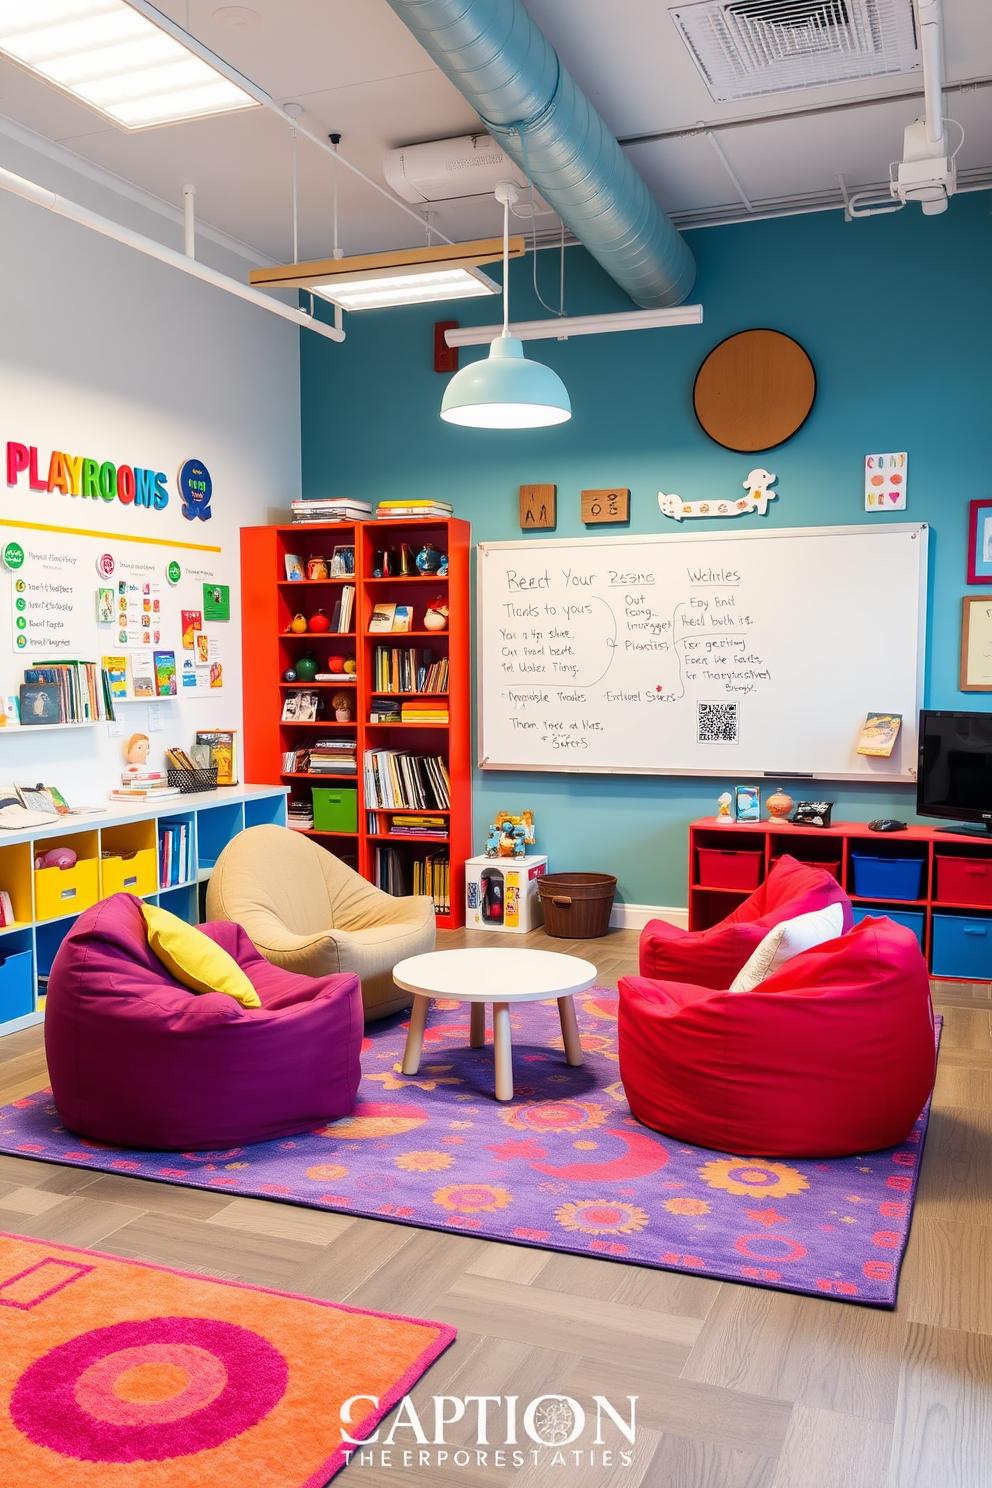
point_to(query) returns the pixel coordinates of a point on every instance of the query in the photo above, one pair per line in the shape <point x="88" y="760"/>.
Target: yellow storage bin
<point x="65" y="891"/>
<point x="129" y="873"/>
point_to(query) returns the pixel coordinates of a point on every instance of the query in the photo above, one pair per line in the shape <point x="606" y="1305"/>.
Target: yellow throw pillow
<point x="194" y="959"/>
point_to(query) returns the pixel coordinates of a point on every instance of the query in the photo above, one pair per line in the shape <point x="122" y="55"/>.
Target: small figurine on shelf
<point x="779" y="805"/>
<point x="136" y="753"/>
<point x="436" y="614"/>
<point x="341" y="703"/>
<point x="516" y="833"/>
<point x="723" y="816"/>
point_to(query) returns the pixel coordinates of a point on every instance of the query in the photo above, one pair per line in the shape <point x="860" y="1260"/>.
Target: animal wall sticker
<point x="758" y="496"/>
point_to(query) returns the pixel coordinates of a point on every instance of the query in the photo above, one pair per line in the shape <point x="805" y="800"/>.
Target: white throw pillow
<point x="787" y="940"/>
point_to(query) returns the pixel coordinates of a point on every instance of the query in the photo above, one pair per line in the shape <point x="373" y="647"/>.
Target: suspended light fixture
<point x="506" y="391"/>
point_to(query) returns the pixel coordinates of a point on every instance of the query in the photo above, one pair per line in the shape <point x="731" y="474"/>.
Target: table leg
<point x="415" y="1035"/>
<point x="502" y="1051"/>
<point x="477" y="1033"/>
<point x="569" y="1030"/>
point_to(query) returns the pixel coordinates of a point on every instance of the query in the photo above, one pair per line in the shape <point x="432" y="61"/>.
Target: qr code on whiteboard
<point x="716" y="723"/>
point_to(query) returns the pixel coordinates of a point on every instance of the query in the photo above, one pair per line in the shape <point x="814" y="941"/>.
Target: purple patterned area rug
<point x="564" y="1166"/>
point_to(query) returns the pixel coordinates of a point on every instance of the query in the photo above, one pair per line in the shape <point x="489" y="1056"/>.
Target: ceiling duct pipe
<point x="505" y="67"/>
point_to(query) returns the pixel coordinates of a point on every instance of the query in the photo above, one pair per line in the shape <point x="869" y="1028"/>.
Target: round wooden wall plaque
<point x="754" y="390"/>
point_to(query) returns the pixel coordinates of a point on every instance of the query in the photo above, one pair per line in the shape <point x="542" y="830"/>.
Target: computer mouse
<point x="886" y="824"/>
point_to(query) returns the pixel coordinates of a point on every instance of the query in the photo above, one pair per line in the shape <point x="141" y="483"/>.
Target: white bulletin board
<point x="756" y="653"/>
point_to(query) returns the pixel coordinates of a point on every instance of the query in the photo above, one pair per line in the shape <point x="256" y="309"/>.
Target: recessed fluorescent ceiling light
<point x="108" y="56"/>
<point x="379" y="290"/>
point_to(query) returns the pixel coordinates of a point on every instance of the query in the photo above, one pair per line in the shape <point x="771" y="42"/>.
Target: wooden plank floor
<point x="737" y="1387"/>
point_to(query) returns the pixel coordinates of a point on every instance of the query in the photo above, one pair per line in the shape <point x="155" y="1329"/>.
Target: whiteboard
<point x="753" y="654"/>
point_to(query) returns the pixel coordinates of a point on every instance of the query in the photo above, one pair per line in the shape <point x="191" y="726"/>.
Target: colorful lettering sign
<point x="96" y="480"/>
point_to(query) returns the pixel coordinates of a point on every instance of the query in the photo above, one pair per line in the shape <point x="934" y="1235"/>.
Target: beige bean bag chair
<point x="307" y="911"/>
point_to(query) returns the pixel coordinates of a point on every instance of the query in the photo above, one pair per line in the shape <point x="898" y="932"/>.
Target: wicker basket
<point x="577" y="905"/>
<point x="193" y="780"/>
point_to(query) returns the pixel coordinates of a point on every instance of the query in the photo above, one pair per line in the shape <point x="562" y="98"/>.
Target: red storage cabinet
<point x="963" y="880"/>
<point x="722" y="868"/>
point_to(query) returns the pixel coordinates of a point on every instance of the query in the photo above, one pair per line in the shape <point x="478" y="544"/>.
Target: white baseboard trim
<point x="636" y="916"/>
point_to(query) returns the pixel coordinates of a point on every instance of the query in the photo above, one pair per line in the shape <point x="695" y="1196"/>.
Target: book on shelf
<point x="409" y="825"/>
<point x="300" y="707"/>
<point x="223" y="746"/>
<point x="295" y="569"/>
<point x="438" y="513"/>
<point x="117" y="674"/>
<point x="397" y="779"/>
<point x="175" y="848"/>
<point x="432" y="876"/>
<point x="403" y="617"/>
<point x="384" y="710"/>
<point x="420" y="712"/>
<point x="165" y="673"/>
<point x="332" y="509"/>
<point x="143" y="674"/>
<point x="392" y="503"/>
<point x="382" y="617"/>
<point x="344" y="609"/>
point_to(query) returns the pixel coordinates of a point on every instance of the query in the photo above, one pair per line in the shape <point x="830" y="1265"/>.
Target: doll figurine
<point x="136" y="752"/>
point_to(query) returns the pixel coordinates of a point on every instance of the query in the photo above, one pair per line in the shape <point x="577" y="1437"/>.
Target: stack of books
<point x="390" y="872"/>
<point x="137" y="785"/>
<point x="387" y="510"/>
<point x="296" y="761"/>
<point x="299" y="816"/>
<point x="424" y="712"/>
<point x="384" y="710"/>
<point x="334" y="757"/>
<point x="331" y="509"/>
<point x="175" y="854"/>
<point x="408" y="782"/>
<point x="418" y="826"/>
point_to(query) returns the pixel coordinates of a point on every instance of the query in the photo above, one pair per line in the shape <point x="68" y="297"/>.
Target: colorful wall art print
<point x="885" y="482"/>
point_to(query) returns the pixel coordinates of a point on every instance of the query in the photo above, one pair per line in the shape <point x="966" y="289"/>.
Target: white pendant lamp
<point x="506" y="390"/>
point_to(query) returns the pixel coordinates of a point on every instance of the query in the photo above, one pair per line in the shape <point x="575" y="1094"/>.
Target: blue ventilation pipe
<point x="505" y="67"/>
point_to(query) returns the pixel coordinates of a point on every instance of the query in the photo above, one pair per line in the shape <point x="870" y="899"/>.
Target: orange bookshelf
<point x="269" y="603"/>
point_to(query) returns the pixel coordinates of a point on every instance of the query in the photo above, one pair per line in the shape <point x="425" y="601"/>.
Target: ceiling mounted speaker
<point x="754" y="390"/>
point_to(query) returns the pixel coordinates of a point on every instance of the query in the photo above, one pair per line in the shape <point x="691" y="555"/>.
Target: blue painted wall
<point x="896" y="313"/>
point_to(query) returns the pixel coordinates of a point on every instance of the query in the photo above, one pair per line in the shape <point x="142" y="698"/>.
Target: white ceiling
<point x="357" y="70"/>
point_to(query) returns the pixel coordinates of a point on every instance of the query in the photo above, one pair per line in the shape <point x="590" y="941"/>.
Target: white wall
<point x="107" y="352"/>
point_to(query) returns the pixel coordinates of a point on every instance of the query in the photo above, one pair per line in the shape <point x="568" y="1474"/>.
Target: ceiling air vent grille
<point x="747" y="47"/>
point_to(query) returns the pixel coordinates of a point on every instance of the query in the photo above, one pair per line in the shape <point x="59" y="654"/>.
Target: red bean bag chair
<point x="831" y="1055"/>
<point x="713" y="957"/>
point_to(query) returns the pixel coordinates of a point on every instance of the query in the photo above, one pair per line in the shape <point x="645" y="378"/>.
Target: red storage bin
<point x="721" y="868"/>
<point x="964" y="880"/>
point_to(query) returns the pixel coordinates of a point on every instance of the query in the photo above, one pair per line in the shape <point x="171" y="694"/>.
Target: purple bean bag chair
<point x="138" y="1060"/>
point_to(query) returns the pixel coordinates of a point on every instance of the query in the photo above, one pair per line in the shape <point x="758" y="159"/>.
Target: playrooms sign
<point x="104" y="480"/>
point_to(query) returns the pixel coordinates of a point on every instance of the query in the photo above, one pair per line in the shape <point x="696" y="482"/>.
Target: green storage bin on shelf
<point x="335" y="810"/>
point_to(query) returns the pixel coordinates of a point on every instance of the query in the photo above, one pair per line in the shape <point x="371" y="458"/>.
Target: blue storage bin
<point x="962" y="947"/>
<point x="912" y="919"/>
<point x="887" y="878"/>
<point x="16" y="986"/>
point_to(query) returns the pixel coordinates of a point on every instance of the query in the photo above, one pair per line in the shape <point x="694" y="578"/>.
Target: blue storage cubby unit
<point x="49" y="936"/>
<point x="914" y="921"/>
<point x="962" y="947"/>
<point x="266" y="811"/>
<point x="887" y="878"/>
<point x="16" y="977"/>
<point x="181" y="902"/>
<point x="215" y="826"/>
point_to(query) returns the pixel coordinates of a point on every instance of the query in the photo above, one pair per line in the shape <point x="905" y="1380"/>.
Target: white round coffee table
<point x="502" y="976"/>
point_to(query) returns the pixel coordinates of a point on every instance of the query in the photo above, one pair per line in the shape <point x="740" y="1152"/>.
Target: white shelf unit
<point x="214" y="817"/>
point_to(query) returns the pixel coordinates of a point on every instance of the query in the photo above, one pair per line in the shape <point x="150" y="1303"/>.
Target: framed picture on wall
<point x="980" y="542"/>
<point x="976" y="644"/>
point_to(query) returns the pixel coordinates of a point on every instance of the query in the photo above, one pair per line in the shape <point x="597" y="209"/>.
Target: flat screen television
<point x="954" y="778"/>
